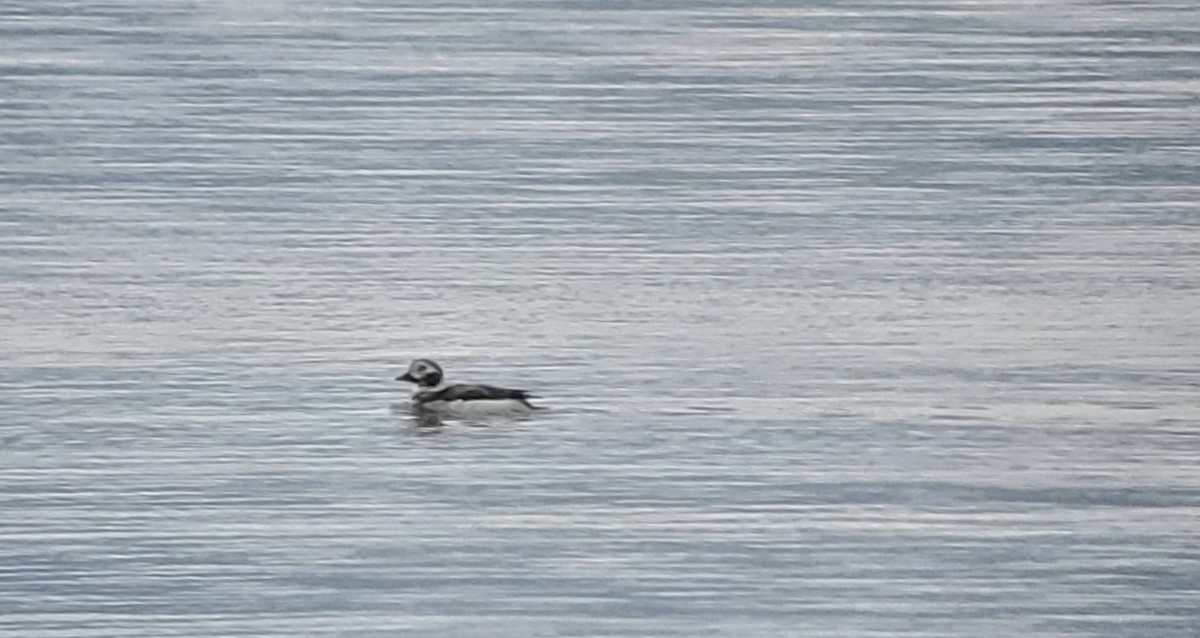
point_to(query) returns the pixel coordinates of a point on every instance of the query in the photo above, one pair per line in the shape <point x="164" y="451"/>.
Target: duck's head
<point x="423" y="372"/>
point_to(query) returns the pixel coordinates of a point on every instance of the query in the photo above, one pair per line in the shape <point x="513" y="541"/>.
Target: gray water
<point x="851" y="318"/>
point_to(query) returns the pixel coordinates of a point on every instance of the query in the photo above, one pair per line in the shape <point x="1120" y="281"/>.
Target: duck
<point x="432" y="394"/>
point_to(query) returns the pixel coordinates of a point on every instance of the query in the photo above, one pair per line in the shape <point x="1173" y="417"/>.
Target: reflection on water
<point x="852" y="320"/>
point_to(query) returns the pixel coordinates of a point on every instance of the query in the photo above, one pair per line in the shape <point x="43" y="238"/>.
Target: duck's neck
<point x="418" y="389"/>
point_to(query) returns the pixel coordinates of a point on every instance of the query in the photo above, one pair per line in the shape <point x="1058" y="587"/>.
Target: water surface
<point x="853" y="319"/>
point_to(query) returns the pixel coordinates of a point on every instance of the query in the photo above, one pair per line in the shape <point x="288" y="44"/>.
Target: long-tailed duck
<point x="433" y="394"/>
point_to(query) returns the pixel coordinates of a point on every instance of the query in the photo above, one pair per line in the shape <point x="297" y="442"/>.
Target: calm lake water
<point x="853" y="318"/>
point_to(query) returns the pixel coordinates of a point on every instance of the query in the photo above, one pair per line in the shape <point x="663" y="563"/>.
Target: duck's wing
<point x="472" y="392"/>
